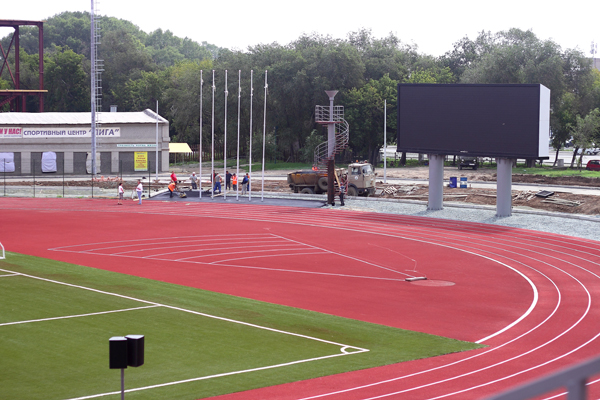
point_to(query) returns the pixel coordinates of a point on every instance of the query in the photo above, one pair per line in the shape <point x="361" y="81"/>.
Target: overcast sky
<point x="433" y="25"/>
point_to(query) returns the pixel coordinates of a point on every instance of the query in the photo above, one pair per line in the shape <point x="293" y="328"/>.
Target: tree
<point x="66" y="80"/>
<point x="182" y="98"/>
<point x="125" y="57"/>
<point x="364" y="113"/>
<point x="586" y="132"/>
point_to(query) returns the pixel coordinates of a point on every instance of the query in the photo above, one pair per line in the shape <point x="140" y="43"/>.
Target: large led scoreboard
<point x="508" y="121"/>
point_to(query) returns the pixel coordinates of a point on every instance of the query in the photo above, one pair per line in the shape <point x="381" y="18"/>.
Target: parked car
<point x="593" y="165"/>
<point x="593" y="151"/>
<point x="468" y="162"/>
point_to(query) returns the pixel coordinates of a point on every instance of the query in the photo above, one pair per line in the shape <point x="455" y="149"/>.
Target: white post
<point x="331" y="126"/>
<point x="436" y="182"/>
<point x="237" y="171"/>
<point x="504" y="187"/>
<point x="262" y="192"/>
<point x="212" y="169"/>
<point x="250" y="156"/>
<point x="156" y="142"/>
<point x="200" y="156"/>
<point x="225" y="142"/>
<point x="385" y="141"/>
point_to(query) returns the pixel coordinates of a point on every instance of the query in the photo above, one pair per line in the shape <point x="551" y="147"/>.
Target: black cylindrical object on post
<point x="118" y="352"/>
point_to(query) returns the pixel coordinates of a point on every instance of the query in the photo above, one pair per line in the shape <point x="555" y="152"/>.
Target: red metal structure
<point x="17" y="97"/>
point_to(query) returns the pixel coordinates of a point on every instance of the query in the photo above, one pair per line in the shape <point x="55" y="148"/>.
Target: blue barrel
<point x="452" y="182"/>
<point x="463" y="182"/>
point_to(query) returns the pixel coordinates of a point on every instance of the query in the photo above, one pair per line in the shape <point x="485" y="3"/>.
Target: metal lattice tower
<point x="96" y="76"/>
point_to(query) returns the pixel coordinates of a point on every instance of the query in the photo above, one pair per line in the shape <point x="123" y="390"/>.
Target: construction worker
<point x="343" y="185"/>
<point x="245" y="183"/>
<point x="172" y="187"/>
<point x="234" y="181"/>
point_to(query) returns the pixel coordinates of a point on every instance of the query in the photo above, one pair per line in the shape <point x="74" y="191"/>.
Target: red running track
<point x="531" y="296"/>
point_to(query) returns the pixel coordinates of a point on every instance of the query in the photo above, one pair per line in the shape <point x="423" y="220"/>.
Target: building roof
<point x="80" y="118"/>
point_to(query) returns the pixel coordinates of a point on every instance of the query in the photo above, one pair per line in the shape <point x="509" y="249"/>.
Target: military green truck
<point x="360" y="176"/>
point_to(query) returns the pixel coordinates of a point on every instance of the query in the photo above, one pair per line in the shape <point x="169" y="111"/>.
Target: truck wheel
<point x="322" y="183"/>
<point x="307" y="191"/>
<point x="352" y="191"/>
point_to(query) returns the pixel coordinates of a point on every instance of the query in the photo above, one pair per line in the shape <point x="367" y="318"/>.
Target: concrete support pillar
<point x="26" y="162"/>
<point x="164" y="166"/>
<point x="114" y="162"/>
<point x="504" y="187"/>
<point x="436" y="182"/>
<point x="68" y="158"/>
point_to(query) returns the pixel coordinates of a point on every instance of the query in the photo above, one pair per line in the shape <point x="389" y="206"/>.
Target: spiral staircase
<point x="324" y="116"/>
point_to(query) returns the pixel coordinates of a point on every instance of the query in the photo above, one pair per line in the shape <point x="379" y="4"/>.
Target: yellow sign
<point x="140" y="161"/>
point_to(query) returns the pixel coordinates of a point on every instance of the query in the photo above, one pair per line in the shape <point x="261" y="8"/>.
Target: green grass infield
<point x="56" y="320"/>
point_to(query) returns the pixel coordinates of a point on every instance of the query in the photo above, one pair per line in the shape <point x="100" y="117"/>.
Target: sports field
<point x="56" y="319"/>
<point x="250" y="301"/>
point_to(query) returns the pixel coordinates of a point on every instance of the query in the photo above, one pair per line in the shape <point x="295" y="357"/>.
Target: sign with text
<point x="140" y="161"/>
<point x="11" y="132"/>
<point x="61" y="133"/>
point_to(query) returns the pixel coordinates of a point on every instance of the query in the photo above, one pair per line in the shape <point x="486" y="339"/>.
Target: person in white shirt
<point x="139" y="189"/>
<point x="194" y="180"/>
<point x="121" y="192"/>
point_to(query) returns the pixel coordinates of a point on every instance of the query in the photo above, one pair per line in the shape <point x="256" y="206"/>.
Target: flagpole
<point x="156" y="142"/>
<point x="385" y="141"/>
<point x="237" y="172"/>
<point x="225" y="141"/>
<point x="200" y="156"/>
<point x="212" y="176"/>
<point x="250" y="157"/>
<point x="264" y="139"/>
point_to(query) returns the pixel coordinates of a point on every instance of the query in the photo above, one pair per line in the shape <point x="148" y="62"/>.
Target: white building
<point x="125" y="143"/>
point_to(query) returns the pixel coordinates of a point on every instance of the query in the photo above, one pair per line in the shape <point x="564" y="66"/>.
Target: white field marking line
<point x="220" y="263"/>
<point x="346" y="256"/>
<point x="283" y="247"/>
<point x="77" y="315"/>
<point x="158" y="240"/>
<point x="483" y="353"/>
<point x="189" y="245"/>
<point x="201" y="378"/>
<point x="189" y="311"/>
<point x="264" y="251"/>
<point x="7" y="275"/>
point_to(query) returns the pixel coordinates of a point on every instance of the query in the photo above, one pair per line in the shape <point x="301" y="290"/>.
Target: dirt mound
<point x="560" y="181"/>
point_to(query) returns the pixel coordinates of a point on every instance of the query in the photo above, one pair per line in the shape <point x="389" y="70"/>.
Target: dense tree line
<point x="142" y="68"/>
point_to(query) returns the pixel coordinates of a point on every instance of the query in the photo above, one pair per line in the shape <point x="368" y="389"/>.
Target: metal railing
<point x="59" y="184"/>
<point x="574" y="379"/>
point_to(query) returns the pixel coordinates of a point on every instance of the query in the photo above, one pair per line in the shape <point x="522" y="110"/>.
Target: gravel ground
<point x="565" y="224"/>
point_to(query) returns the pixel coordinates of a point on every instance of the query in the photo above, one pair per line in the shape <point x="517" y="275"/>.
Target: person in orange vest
<point x="172" y="187"/>
<point x="234" y="181"/>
